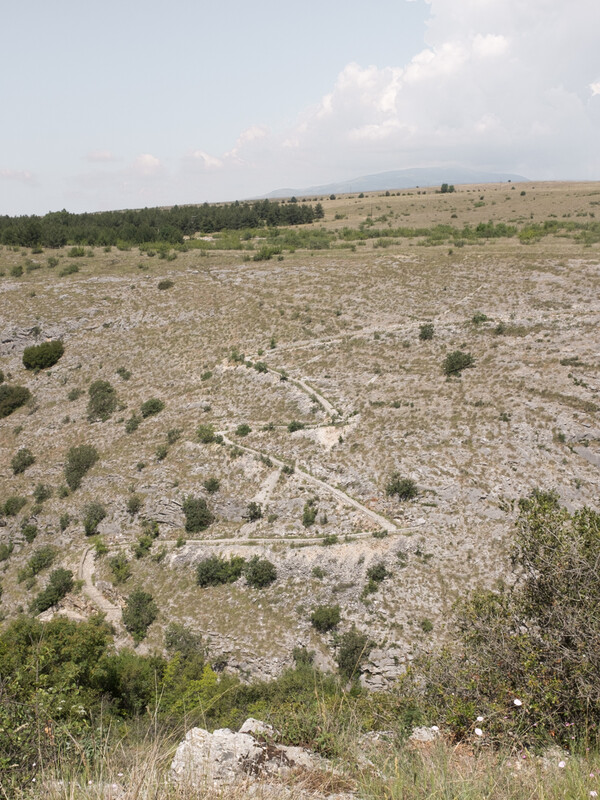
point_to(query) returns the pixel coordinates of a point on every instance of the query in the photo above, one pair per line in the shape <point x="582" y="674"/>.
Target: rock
<point x="424" y="734"/>
<point x="225" y="757"/>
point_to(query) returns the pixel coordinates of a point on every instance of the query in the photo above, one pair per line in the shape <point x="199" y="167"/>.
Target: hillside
<point x="311" y="338"/>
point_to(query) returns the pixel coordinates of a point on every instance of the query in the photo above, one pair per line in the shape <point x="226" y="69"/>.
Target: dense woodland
<point x="60" y="228"/>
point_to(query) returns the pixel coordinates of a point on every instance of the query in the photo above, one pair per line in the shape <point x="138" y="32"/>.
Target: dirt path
<point x="266" y="490"/>
<point x="86" y="574"/>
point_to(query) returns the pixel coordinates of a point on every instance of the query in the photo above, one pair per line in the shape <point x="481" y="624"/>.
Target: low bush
<point x="197" y="514"/>
<point x="120" y="568"/>
<point x="354" y="649"/>
<point x="68" y="269"/>
<point x="243" y="430"/>
<point x="325" y="618"/>
<point x="40" y="560"/>
<point x="259" y="572"/>
<point x="294" y="425"/>
<point x="61" y="583"/>
<point x="44" y="355"/>
<point x="403" y="488"/>
<point x="41" y="493"/>
<point x="426" y="331"/>
<point x="167" y="283"/>
<point x="133" y="423"/>
<point x="21" y="460"/>
<point x="455" y="362"/>
<point x="134" y="504"/>
<point x="309" y="513"/>
<point x="5" y="551"/>
<point x="13" y="505"/>
<point x="152" y="407"/>
<point x="213" y="571"/>
<point x="139" y="613"/>
<point x="11" y="398"/>
<point x="205" y="433"/>
<point x="93" y="514"/>
<point x="102" y="402"/>
<point x="80" y="460"/>
<point x="254" y="511"/>
<point x="211" y="485"/>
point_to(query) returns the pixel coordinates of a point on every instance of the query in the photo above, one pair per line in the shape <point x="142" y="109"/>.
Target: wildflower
<point x="517" y="702"/>
<point x="434" y="728"/>
<point x="478" y="732"/>
<point x="561" y="765"/>
<point x="479" y="719"/>
<point x="593" y="793"/>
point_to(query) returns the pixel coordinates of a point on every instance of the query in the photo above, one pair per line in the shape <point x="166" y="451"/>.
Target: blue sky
<point x="114" y="105"/>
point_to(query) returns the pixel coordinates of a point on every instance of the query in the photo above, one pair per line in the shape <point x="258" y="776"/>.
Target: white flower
<point x="593" y="793"/>
<point x="478" y="732"/>
<point x="435" y="728"/>
<point x="561" y="764"/>
<point x="517" y="702"/>
<point x="479" y="719"/>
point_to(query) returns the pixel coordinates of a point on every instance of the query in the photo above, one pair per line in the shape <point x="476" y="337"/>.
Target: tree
<point x="455" y="362"/>
<point x="260" y="572"/>
<point x="353" y="652"/>
<point x="139" y="613"/>
<point x="325" y="618"/>
<point x="60" y="584"/>
<point x="197" y="514"/>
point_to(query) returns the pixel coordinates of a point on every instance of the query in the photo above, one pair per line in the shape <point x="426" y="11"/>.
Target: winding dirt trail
<point x="102" y="603"/>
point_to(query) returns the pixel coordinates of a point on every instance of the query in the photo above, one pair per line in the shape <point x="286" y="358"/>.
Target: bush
<point x="61" y="583"/>
<point x="120" y="568"/>
<point x="21" y="460"/>
<point x="455" y="362"/>
<point x="76" y="252"/>
<point x="5" y="551"/>
<point x="259" y="572"/>
<point x="152" y="407"/>
<point x="309" y="513"/>
<point x="214" y="571"/>
<point x="41" y="493"/>
<point x="74" y="394"/>
<point x="180" y="639"/>
<point x="197" y="514"/>
<point x="254" y="512"/>
<point x="211" y="485"/>
<point x="243" y="430"/>
<point x="68" y="269"/>
<point x="205" y="433"/>
<point x="93" y="514"/>
<point x="79" y="460"/>
<point x="353" y="652"/>
<point x="42" y="558"/>
<point x="403" y="488"/>
<point x="102" y="402"/>
<point x="294" y="425"/>
<point x="13" y="505"/>
<point x="44" y="355"/>
<point x="134" y="504"/>
<point x="167" y="283"/>
<point x="479" y="317"/>
<point x="139" y="613"/>
<point x="325" y="618"/>
<point x="133" y="423"/>
<point x="29" y="531"/>
<point x="11" y="398"/>
<point x="426" y="331"/>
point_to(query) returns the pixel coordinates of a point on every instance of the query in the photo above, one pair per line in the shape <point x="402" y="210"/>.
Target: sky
<point x="107" y="105"/>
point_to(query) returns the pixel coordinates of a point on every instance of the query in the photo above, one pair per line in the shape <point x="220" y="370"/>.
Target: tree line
<point x="134" y="227"/>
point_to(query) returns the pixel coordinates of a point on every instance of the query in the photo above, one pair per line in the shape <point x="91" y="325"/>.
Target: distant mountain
<point x="403" y="179"/>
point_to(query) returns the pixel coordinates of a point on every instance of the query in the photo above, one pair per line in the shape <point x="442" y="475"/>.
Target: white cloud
<point x="19" y="175"/>
<point x="100" y="156"/>
<point x="205" y="160"/>
<point x="147" y="165"/>
<point x="595" y="87"/>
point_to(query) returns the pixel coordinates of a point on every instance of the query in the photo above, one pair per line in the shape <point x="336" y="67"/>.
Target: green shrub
<point x="133" y="423"/>
<point x="16" y="271"/>
<point x="294" y="425"/>
<point x="259" y="572"/>
<point x="197" y="514"/>
<point x="44" y="355"/>
<point x="11" y="398"/>
<point x="41" y="493"/>
<point x="353" y="651"/>
<point x="52" y="261"/>
<point x="74" y="394"/>
<point x="29" y="531"/>
<point x="174" y="435"/>
<point x="79" y="460"/>
<point x="309" y="513"/>
<point x="260" y="366"/>
<point x="329" y="540"/>
<point x="206" y="375"/>
<point x="325" y="618"/>
<point x="102" y="402"/>
<point x="205" y="433"/>
<point x="40" y="560"/>
<point x="455" y="362"/>
<point x="139" y="613"/>
<point x="213" y="571"/>
<point x="403" y="488"/>
<point x="6" y="550"/>
<point x="426" y="331"/>
<point x="152" y="407"/>
<point x="68" y="269"/>
<point x="13" y="505"/>
<point x="254" y="512"/>
<point x="167" y="283"/>
<point x="426" y="625"/>
<point x="243" y="430"/>
<point x="161" y="452"/>
<point x="375" y="575"/>
<point x="21" y="460"/>
<point x="123" y="373"/>
<point x="61" y="583"/>
<point x="120" y="568"/>
<point x="211" y="485"/>
<point x="180" y="639"/>
<point x="64" y="521"/>
<point x="479" y="317"/>
<point x="134" y="504"/>
<point x="93" y="514"/>
<point x="76" y="252"/>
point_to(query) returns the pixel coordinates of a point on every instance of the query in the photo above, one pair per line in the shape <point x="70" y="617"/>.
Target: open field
<point x="342" y="325"/>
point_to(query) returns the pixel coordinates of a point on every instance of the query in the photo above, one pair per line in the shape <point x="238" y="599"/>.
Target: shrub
<point x="41" y="493"/>
<point x="1" y="376"/>
<point x="16" y="271"/>
<point x="21" y="460"/>
<point x="309" y="513"/>
<point x="426" y="625"/>
<point x="479" y="317"/>
<point x="174" y="435"/>
<point x="74" y="394"/>
<point x="455" y="362"/>
<point x="353" y="652"/>
<point x="29" y="531"/>
<point x="52" y="261"/>
<point x="68" y="269"/>
<point x="180" y="639"/>
<point x="120" y="568"/>
<point x="375" y="575"/>
<point x="61" y="583"/>
<point x="205" y="433"/>
<point x="243" y="430"/>
<point x="76" y="252"/>
<point x="167" y="283"/>
<point x="211" y="485"/>
<point x="254" y="512"/>
<point x="197" y="514"/>
<point x="260" y="366"/>
<point x="5" y="551"/>
<point x="426" y="331"/>
<point x="134" y="504"/>
<point x="139" y="613"/>
<point x="11" y="398"/>
<point x="93" y="514"/>
<point x="325" y="618"/>
<point x="213" y="571"/>
<point x="294" y="425"/>
<point x="152" y="407"/>
<point x="42" y="558"/>
<point x="64" y="521"/>
<point x="44" y="355"/>
<point x="259" y="572"/>
<point x="79" y="460"/>
<point x="403" y="488"/>
<point x="161" y="452"/>
<point x="102" y="402"/>
<point x="13" y="505"/>
<point x="133" y="423"/>
<point x="123" y="373"/>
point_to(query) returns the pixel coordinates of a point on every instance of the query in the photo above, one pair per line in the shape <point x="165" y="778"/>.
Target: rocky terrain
<point x="319" y="354"/>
